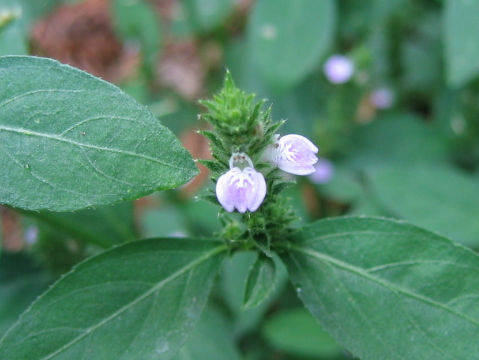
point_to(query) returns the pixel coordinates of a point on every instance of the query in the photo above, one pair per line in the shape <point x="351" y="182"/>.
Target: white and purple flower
<point x="241" y="189"/>
<point x="339" y="69"/>
<point x="294" y="154"/>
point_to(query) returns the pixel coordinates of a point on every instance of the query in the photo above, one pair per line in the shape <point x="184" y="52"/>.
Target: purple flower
<point x="295" y="154"/>
<point x="31" y="235"/>
<point x="382" y="98"/>
<point x="323" y="173"/>
<point x="243" y="189"/>
<point x="338" y="69"/>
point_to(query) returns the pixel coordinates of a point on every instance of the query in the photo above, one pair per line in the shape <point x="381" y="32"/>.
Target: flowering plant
<point x="126" y="235"/>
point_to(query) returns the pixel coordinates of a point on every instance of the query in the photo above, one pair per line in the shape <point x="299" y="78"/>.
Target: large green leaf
<point x="287" y="48"/>
<point x="461" y="24"/>
<point x="388" y="290"/>
<point x="137" y="301"/>
<point x="138" y="20"/>
<point x="69" y="140"/>
<point x="205" y="15"/>
<point x="438" y="198"/>
<point x="384" y="141"/>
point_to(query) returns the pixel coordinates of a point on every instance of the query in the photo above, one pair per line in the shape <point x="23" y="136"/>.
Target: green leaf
<point x="137" y="301"/>
<point x="260" y="282"/>
<point x="105" y="226"/>
<point x="69" y="140"/>
<point x="20" y="284"/>
<point x="287" y="48"/>
<point x="295" y="331"/>
<point x="233" y="282"/>
<point x="14" y="36"/>
<point x="438" y="198"/>
<point x="388" y="290"/>
<point x="382" y="141"/>
<point x="166" y="221"/>
<point x="205" y="15"/>
<point x="211" y="340"/>
<point x="137" y="19"/>
<point x="461" y="24"/>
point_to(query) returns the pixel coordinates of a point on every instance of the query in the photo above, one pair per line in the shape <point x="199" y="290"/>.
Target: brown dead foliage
<point x="199" y="148"/>
<point x="82" y="35"/>
<point x="181" y="69"/>
<point x="11" y="228"/>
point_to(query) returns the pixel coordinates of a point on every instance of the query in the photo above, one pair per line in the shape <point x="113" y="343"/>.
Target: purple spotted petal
<point x="241" y="189"/>
<point x="295" y="154"/>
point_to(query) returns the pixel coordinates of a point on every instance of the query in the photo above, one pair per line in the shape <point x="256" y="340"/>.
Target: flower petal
<point x="296" y="169"/>
<point x="298" y="141"/>
<point x="259" y="189"/>
<point x="222" y="193"/>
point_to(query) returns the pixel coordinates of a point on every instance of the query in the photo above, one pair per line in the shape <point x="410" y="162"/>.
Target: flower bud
<point x="295" y="154"/>
<point x="241" y="189"/>
<point x="338" y="69"/>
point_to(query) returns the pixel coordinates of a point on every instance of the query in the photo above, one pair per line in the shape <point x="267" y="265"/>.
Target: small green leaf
<point x="287" y="48"/>
<point x="137" y="301"/>
<point x="297" y="332"/>
<point x="461" y="24"/>
<point x="233" y="282"/>
<point x="260" y="282"/>
<point x="69" y="140"/>
<point x="388" y="290"/>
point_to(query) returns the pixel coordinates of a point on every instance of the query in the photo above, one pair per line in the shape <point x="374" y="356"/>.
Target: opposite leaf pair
<point x="245" y="189"/>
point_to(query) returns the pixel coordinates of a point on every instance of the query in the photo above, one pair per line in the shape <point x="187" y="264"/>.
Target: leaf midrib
<point x="364" y="274"/>
<point x="126" y="307"/>
<point x="27" y="132"/>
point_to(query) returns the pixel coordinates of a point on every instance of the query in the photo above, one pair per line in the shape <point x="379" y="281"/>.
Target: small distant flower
<point x="295" y="154"/>
<point x="339" y="69"/>
<point x="241" y="189"/>
<point x="31" y="235"/>
<point x="382" y="98"/>
<point x="324" y="171"/>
